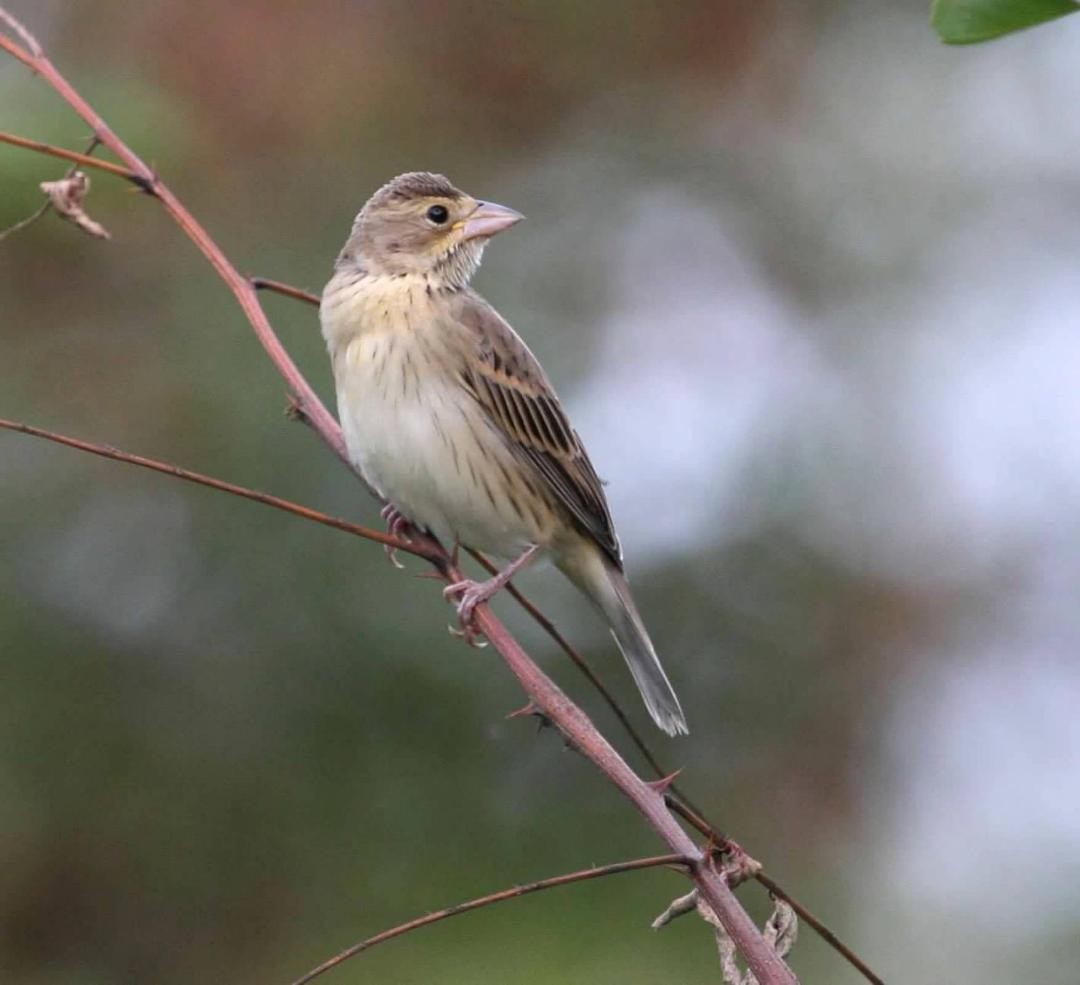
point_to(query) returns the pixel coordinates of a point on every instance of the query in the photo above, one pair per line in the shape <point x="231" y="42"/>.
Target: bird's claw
<point x="469" y="595"/>
<point x="469" y="635"/>
<point x="397" y="526"/>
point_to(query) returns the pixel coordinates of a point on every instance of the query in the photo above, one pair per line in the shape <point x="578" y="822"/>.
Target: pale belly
<point x="423" y="443"/>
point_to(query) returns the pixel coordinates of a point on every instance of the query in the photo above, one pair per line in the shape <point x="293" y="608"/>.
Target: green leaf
<point x="971" y="21"/>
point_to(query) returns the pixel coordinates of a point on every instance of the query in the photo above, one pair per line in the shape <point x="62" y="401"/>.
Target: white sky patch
<point x="998" y="390"/>
<point x="988" y="755"/>
<point x="693" y="380"/>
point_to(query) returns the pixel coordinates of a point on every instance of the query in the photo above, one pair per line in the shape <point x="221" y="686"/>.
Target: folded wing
<point x="509" y="383"/>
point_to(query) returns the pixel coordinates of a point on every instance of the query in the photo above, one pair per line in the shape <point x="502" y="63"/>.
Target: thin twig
<point x="506" y="894"/>
<point x="28" y="221"/>
<point x="280" y="287"/>
<point x="419" y="548"/>
<point x="767" y="966"/>
<point x="821" y="929"/>
<point x="695" y="820"/>
<point x="83" y="160"/>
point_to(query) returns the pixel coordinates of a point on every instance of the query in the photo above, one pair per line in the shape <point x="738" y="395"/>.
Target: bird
<point x="452" y="420"/>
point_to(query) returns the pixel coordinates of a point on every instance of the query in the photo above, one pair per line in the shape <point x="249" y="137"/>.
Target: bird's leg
<point x="472" y="593"/>
<point x="397" y="526"/>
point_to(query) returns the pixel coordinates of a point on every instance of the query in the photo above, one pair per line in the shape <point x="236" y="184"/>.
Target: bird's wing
<point x="508" y="382"/>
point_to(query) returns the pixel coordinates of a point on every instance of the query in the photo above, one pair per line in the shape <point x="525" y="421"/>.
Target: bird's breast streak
<point x="418" y="436"/>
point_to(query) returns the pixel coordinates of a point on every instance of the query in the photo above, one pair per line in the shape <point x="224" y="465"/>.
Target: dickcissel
<point x="450" y="417"/>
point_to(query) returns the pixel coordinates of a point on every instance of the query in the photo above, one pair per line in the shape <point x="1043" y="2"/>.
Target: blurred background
<point x="807" y="280"/>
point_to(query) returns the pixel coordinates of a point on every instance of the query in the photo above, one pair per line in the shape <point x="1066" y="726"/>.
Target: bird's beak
<point x="488" y="219"/>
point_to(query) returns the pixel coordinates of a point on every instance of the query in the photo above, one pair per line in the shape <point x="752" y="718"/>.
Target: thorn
<point x="532" y="709"/>
<point x="529" y="709"/>
<point x="145" y="185"/>
<point x="294" y="412"/>
<point x="661" y="785"/>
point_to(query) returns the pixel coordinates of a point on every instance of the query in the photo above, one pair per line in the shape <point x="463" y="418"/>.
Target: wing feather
<point x="506" y="380"/>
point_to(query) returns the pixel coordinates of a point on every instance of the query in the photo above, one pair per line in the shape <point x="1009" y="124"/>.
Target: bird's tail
<point x="606" y="586"/>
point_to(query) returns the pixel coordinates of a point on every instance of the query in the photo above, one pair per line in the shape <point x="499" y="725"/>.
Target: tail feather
<point x="606" y="585"/>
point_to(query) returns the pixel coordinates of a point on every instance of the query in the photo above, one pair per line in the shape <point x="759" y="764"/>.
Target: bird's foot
<point x="470" y="594"/>
<point x="397" y="525"/>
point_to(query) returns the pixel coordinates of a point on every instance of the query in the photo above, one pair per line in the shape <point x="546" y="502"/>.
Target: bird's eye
<point x="438" y="214"/>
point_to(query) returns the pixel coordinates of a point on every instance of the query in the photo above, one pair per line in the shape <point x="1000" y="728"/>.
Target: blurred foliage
<point x="806" y="283"/>
<point x="972" y="21"/>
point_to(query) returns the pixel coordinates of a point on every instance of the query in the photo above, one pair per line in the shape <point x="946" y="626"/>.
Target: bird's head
<point x="418" y="223"/>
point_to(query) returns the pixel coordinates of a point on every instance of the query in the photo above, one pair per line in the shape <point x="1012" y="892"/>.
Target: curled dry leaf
<point x="677" y="908"/>
<point x="782" y="928"/>
<point x="67" y="196"/>
<point x="781" y="931"/>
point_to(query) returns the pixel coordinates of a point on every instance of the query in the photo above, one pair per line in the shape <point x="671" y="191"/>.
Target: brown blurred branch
<point x="84" y="160"/>
<point x="280" y="287"/>
<point x="514" y="892"/>
<point x="419" y="548"/>
<point x="767" y="966"/>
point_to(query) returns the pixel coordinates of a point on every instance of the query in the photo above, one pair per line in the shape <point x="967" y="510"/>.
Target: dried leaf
<point x="678" y="907"/>
<point x="780" y="932"/>
<point x="67" y="196"/>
